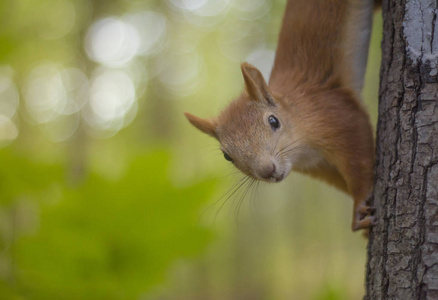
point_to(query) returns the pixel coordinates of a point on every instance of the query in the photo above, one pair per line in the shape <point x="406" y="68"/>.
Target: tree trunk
<point x="403" y="246"/>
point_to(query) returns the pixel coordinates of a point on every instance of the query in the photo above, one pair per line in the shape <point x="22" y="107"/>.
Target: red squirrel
<point x="309" y="118"/>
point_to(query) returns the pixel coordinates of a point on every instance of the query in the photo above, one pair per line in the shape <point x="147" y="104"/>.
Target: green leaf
<point x="113" y="239"/>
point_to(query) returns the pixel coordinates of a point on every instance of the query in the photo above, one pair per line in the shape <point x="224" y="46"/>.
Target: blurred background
<point x="107" y="192"/>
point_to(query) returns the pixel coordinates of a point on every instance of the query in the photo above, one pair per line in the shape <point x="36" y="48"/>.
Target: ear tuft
<point x="255" y="84"/>
<point x="204" y="125"/>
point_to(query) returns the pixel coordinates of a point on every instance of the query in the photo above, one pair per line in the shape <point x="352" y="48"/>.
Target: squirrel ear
<point x="204" y="125"/>
<point x="256" y="85"/>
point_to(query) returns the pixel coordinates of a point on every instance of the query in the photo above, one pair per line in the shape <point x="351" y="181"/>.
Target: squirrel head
<point x="255" y="131"/>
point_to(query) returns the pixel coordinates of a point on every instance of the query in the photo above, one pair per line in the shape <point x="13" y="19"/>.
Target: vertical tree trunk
<point x="403" y="247"/>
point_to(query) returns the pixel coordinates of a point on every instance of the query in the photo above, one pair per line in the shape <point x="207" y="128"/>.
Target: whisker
<point x="239" y="196"/>
<point x="229" y="190"/>
<point x="234" y="172"/>
<point x="243" y="196"/>
<point x="257" y="201"/>
<point x="290" y="144"/>
<point x="287" y="148"/>
<point x="276" y="142"/>
<point x="239" y="185"/>
<point x="289" y="151"/>
<point x="290" y="147"/>
<point x="252" y="203"/>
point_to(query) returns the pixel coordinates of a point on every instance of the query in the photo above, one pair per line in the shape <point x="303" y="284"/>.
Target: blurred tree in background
<point x="105" y="190"/>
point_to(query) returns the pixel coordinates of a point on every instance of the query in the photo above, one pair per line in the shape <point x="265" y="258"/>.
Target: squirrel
<point x="309" y="118"/>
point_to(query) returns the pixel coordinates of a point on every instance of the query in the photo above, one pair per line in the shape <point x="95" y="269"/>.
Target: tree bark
<point x="403" y="246"/>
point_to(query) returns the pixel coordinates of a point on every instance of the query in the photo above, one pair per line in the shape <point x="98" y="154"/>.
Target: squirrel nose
<point x="268" y="171"/>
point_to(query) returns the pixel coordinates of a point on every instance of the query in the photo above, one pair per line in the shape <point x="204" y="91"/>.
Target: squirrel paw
<point x="363" y="210"/>
<point x="363" y="217"/>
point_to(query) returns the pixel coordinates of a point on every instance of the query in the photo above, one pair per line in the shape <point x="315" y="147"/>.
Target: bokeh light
<point x="112" y="42"/>
<point x="263" y="59"/>
<point x="55" y="97"/>
<point x="75" y="84"/>
<point x="208" y="8"/>
<point x="237" y="40"/>
<point x="190" y="5"/>
<point x="61" y="128"/>
<point x="251" y="9"/>
<point x="112" y="96"/>
<point x="140" y="77"/>
<point x="151" y="29"/>
<point x="8" y="131"/>
<point x="181" y="74"/>
<point x="9" y="99"/>
<point x="9" y="103"/>
<point x="45" y="95"/>
<point x="202" y="13"/>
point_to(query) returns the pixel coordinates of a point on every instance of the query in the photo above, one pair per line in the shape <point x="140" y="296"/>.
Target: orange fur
<point x="325" y="131"/>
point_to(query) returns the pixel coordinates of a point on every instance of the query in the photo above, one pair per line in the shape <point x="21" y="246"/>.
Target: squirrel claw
<point x="364" y="210"/>
<point x="364" y="223"/>
<point x="371" y="210"/>
<point x="363" y="217"/>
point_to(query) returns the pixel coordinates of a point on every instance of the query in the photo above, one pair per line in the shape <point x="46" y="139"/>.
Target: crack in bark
<point x="417" y="256"/>
<point x="432" y="39"/>
<point x="385" y="281"/>
<point x="433" y="31"/>
<point x="422" y="224"/>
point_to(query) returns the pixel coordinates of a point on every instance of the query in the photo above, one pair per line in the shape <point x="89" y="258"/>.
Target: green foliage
<point x="331" y="292"/>
<point x="106" y="239"/>
<point x="22" y="177"/>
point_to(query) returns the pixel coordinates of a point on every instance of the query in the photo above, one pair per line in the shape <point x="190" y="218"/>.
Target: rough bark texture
<point x="403" y="247"/>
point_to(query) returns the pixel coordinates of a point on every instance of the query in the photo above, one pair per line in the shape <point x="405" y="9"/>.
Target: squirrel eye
<point x="227" y="157"/>
<point x="273" y="121"/>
